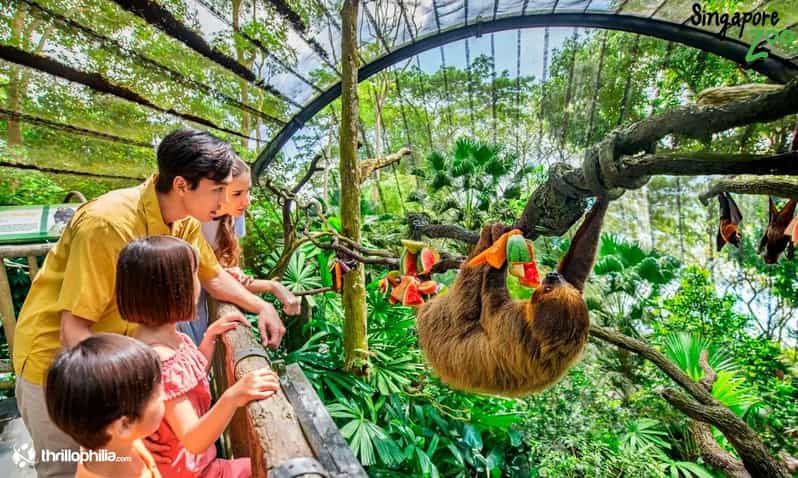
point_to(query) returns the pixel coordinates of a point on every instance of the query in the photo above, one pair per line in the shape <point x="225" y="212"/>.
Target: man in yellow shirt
<point x="73" y="293"/>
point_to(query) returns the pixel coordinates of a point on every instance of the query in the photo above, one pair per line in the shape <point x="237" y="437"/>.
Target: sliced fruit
<point x="407" y="263"/>
<point x="531" y="277"/>
<point x="412" y="296"/>
<point x="428" y="287"/>
<point x="383" y="285"/>
<point x="394" y="277"/>
<point x="518" y="250"/>
<point x="496" y="254"/>
<point x="398" y="292"/>
<point x="413" y="246"/>
<point x="427" y="258"/>
<point x="338" y="280"/>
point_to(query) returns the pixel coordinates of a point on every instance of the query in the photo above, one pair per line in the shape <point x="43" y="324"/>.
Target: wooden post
<point x="33" y="267"/>
<point x="7" y="307"/>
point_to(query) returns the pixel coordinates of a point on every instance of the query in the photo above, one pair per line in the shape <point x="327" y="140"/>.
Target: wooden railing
<point x="290" y="434"/>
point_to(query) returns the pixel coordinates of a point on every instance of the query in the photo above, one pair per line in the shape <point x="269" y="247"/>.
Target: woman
<point x="223" y="234"/>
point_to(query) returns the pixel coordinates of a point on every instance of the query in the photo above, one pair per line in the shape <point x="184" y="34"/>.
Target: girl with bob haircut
<point x="106" y="394"/>
<point x="157" y="287"/>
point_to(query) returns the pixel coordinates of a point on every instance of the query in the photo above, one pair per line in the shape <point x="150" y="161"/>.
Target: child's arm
<point x="217" y="328"/>
<point x="198" y="433"/>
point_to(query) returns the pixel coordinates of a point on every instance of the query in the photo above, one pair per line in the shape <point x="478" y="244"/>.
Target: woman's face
<point x="238" y="199"/>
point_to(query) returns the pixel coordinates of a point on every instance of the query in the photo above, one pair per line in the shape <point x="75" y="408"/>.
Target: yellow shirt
<point x="79" y="272"/>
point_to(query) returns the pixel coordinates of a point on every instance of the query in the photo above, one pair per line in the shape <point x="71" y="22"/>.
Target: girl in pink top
<point x="157" y="287"/>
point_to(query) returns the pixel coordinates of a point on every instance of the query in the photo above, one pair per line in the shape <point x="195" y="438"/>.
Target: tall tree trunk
<point x="354" y="289"/>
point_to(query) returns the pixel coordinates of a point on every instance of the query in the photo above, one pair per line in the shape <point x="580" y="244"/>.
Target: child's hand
<point x="223" y="324"/>
<point x="256" y="385"/>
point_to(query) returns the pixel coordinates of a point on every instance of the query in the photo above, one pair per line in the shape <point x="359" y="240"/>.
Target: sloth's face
<point x="553" y="286"/>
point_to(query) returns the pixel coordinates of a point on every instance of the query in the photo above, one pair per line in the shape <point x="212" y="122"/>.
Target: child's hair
<point x="155" y="281"/>
<point x="227" y="249"/>
<point x="101" y="379"/>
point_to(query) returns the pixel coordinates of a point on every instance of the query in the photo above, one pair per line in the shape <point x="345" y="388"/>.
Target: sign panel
<point x="30" y="224"/>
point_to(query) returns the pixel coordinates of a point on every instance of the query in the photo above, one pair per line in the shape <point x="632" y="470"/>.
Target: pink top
<point x="185" y="374"/>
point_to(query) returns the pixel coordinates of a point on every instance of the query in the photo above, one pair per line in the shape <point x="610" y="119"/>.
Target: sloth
<point x="476" y="338"/>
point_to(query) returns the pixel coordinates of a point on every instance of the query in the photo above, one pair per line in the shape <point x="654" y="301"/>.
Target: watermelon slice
<point x="412" y="246"/>
<point x="792" y="230"/>
<point x="518" y="250"/>
<point x="383" y="285"/>
<point x="398" y="292"/>
<point x="412" y="296"/>
<point x="427" y="258"/>
<point x="531" y="277"/>
<point x="407" y="263"/>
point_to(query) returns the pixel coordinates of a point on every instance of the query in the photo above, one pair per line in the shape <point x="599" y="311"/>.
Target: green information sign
<point x="29" y="224"/>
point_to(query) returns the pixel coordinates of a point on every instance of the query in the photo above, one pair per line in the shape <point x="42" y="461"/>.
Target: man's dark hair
<point x="155" y="281"/>
<point x="193" y="155"/>
<point x="101" y="379"/>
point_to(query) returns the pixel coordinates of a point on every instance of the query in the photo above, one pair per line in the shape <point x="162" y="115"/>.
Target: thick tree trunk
<point x="354" y="289"/>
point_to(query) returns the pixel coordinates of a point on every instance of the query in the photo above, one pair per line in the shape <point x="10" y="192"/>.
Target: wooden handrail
<point x="287" y="433"/>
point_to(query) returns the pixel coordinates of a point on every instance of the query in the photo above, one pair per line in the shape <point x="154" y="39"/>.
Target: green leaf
<point x="335" y="223"/>
<point x="472" y="437"/>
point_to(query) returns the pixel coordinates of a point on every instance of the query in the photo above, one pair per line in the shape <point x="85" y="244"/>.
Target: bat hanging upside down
<point x="776" y="239"/>
<point x="477" y="338"/>
<point x="730" y="218"/>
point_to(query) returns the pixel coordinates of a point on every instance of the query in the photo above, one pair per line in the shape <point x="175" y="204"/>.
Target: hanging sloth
<point x="477" y="338"/>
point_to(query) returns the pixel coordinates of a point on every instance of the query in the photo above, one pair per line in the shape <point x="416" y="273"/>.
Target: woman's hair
<point x="155" y="281"/>
<point x="101" y="379"/>
<point x="227" y="248"/>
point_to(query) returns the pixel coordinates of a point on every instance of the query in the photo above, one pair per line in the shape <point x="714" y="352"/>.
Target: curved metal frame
<point x="775" y="68"/>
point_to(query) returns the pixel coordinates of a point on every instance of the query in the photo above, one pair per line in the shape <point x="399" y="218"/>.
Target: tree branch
<point x="781" y="186"/>
<point x="646" y="351"/>
<point x="696" y="121"/>
<point x="370" y="165"/>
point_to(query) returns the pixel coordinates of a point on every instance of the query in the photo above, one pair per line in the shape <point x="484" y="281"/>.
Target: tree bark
<point x="782" y="186"/>
<point x="354" y="289"/>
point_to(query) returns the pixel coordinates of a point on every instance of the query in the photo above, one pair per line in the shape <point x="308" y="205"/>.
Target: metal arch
<point x="773" y="67"/>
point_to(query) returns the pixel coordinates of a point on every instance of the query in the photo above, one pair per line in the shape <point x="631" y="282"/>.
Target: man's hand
<point x="270" y="326"/>
<point x="291" y="303"/>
